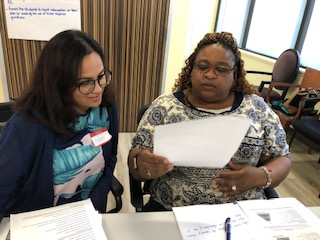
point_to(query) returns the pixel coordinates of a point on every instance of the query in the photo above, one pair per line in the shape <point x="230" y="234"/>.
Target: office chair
<point x="311" y="79"/>
<point x="6" y="112"/>
<point x="308" y="128"/>
<point x="285" y="70"/>
<point x="117" y="191"/>
<point x="140" y="189"/>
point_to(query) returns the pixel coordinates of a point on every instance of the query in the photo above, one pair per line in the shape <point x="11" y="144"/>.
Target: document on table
<point x="4" y="228"/>
<point x="207" y="222"/>
<point x="78" y="220"/>
<point x="274" y="219"/>
<point x="208" y="142"/>
<point x="282" y="218"/>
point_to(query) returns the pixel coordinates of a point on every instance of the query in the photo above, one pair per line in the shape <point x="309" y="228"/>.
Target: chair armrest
<point x="137" y="191"/>
<point x="117" y="191"/>
<point x="263" y="82"/>
<point x="116" y="187"/>
<point x="259" y="72"/>
<point x="270" y="192"/>
<point x="302" y="105"/>
<point x="279" y="84"/>
<point x="136" y="194"/>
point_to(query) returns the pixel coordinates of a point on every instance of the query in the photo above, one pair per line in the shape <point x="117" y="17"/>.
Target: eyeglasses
<point x="87" y="86"/>
<point x="219" y="70"/>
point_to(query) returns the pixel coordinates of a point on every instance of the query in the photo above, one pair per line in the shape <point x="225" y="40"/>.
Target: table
<point x="140" y="226"/>
<point x="137" y="226"/>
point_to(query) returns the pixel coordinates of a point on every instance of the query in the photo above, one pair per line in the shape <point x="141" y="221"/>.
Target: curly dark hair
<point x="226" y="40"/>
<point x="48" y="98"/>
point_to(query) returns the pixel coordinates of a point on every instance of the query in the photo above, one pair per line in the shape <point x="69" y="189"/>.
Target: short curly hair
<point x="226" y="40"/>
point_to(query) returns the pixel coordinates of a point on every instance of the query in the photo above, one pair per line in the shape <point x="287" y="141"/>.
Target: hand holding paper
<point x="208" y="142"/>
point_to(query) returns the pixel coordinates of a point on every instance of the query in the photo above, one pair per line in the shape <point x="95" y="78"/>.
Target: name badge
<point x="100" y="137"/>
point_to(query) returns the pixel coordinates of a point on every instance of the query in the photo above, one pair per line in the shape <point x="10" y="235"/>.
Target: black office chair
<point x="285" y="70"/>
<point x="140" y="189"/>
<point x="6" y="112"/>
<point x="117" y="191"/>
<point x="307" y="127"/>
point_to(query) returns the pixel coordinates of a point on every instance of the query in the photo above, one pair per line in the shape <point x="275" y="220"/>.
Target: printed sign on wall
<point x="41" y="20"/>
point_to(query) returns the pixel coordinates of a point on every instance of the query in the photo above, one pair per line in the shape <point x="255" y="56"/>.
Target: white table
<point x="133" y="226"/>
<point x="136" y="226"/>
<point x="140" y="226"/>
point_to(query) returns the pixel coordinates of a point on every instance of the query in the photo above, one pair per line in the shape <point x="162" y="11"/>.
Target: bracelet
<point x="269" y="179"/>
<point x="135" y="159"/>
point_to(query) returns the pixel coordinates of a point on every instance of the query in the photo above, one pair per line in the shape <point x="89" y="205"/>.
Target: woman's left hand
<point x="239" y="179"/>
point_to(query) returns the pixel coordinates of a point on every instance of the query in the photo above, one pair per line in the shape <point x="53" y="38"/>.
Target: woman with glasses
<point x="212" y="84"/>
<point x="61" y="144"/>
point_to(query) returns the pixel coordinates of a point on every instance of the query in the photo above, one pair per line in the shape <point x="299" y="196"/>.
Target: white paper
<point x="207" y="142"/>
<point x="77" y="220"/>
<point x="274" y="219"/>
<point x="39" y="19"/>
<point x="4" y="228"/>
<point x="206" y="222"/>
<point x="282" y="218"/>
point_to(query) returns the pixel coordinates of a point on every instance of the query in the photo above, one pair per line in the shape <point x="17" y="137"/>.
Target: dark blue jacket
<point x="26" y="166"/>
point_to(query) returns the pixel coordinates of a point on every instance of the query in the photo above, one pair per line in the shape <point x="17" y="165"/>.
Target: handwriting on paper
<point x="29" y="19"/>
<point x="210" y="229"/>
<point x="22" y="13"/>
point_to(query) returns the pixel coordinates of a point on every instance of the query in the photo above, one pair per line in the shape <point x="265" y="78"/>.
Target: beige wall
<point x="188" y="22"/>
<point x="3" y="80"/>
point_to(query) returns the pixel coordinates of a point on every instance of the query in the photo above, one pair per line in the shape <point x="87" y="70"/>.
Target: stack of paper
<point x="280" y="218"/>
<point x="78" y="220"/>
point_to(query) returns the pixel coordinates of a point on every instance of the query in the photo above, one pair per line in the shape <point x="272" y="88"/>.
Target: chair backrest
<point x="311" y="78"/>
<point x="137" y="188"/>
<point x="286" y="67"/>
<point x="142" y="111"/>
<point x="6" y="112"/>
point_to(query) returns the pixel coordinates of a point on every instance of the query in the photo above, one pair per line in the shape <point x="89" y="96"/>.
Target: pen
<point x="227" y="228"/>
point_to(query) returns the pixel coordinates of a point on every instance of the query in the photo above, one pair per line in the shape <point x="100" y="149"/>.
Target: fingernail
<point x="214" y="184"/>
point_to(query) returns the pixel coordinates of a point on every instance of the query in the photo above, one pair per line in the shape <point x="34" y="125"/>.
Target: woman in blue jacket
<point x="61" y="144"/>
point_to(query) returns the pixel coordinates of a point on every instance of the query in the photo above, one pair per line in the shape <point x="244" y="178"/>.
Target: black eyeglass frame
<point x="228" y="69"/>
<point x="106" y="72"/>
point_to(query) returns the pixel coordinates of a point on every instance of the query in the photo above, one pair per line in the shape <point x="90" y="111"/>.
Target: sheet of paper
<point x="77" y="220"/>
<point x="41" y="20"/>
<point x="206" y="222"/>
<point x="282" y="218"/>
<point x="4" y="228"/>
<point x="207" y="142"/>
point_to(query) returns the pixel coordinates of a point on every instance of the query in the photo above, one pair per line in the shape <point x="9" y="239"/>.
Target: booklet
<point x="78" y="220"/>
<point x="279" y="218"/>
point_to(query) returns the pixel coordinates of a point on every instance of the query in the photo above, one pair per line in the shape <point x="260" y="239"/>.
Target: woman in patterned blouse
<point x="212" y="84"/>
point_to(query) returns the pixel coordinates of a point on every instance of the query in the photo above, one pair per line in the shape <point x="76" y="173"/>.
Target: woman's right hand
<point x="147" y="165"/>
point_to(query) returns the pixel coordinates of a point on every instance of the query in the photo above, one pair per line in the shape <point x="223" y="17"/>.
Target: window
<point x="233" y="20"/>
<point x="274" y="26"/>
<point x="311" y="45"/>
<point x="269" y="27"/>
